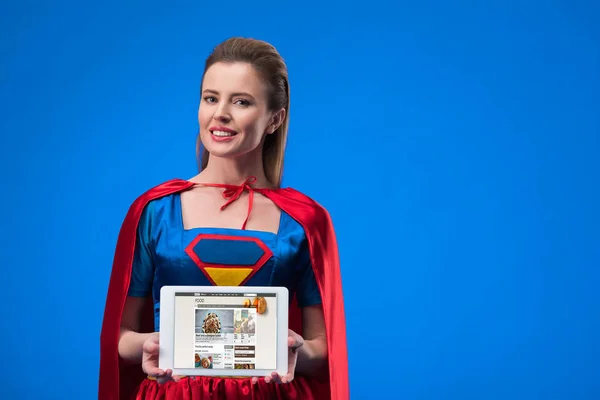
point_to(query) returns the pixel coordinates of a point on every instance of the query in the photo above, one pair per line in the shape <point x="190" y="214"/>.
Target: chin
<point x="216" y="149"/>
<point x="226" y="150"/>
<point x="221" y="151"/>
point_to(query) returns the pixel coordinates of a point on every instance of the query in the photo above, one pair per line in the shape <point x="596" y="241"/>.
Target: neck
<point x="233" y="171"/>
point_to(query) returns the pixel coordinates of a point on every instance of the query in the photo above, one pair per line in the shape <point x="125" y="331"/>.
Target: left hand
<point x="295" y="341"/>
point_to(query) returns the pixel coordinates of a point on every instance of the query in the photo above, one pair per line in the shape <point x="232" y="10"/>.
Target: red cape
<point x="119" y="381"/>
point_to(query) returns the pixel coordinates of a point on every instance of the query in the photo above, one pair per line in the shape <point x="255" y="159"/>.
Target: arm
<point x="140" y="348"/>
<point x="312" y="355"/>
<point x="130" y="341"/>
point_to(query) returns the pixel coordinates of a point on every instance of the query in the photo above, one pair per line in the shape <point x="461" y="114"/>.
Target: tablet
<point x="223" y="331"/>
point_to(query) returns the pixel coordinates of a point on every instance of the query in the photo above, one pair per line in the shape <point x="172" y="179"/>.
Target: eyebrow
<point x="232" y="94"/>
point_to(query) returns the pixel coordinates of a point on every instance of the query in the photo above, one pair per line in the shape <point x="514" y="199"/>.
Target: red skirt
<point x="204" y="388"/>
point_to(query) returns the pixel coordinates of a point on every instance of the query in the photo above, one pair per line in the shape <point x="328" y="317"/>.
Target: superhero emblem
<point x="228" y="260"/>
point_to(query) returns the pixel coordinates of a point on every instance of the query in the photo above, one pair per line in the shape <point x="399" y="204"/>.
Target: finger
<point x="276" y="378"/>
<point x="292" y="359"/>
<point x="157" y="372"/>
<point x="154" y="371"/>
<point x="294" y="342"/>
<point x="287" y="378"/>
<point x="165" y="377"/>
<point x="151" y="348"/>
<point x="154" y="338"/>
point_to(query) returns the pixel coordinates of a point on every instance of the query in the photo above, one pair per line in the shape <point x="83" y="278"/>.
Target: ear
<point x="276" y="121"/>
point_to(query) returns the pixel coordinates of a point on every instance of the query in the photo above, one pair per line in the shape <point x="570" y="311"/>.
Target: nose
<point x="222" y="114"/>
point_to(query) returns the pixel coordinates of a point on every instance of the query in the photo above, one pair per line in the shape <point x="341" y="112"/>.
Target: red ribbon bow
<point x="233" y="192"/>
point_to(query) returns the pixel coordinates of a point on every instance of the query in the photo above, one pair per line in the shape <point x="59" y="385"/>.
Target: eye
<point x="242" y="102"/>
<point x="210" y="99"/>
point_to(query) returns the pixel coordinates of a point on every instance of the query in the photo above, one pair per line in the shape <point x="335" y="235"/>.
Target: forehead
<point x="232" y="78"/>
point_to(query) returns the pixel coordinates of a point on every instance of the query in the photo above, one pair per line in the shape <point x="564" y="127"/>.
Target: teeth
<point x="222" y="134"/>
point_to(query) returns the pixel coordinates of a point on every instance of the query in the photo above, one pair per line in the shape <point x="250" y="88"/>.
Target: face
<point x="234" y="117"/>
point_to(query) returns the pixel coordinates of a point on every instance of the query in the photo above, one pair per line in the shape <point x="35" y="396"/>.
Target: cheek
<point x="204" y="117"/>
<point x="252" y="125"/>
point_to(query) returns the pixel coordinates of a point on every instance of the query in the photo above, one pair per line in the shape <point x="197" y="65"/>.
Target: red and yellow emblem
<point x="228" y="260"/>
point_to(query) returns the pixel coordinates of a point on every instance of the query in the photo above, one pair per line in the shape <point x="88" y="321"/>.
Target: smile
<point x="223" y="133"/>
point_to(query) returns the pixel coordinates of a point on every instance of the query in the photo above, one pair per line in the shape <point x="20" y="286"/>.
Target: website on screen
<point x="225" y="330"/>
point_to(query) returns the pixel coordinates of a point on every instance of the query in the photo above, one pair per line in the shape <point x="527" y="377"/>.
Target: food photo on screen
<point x="214" y="321"/>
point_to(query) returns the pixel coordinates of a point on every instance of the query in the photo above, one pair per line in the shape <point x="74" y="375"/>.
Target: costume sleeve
<point x="142" y="271"/>
<point x="307" y="291"/>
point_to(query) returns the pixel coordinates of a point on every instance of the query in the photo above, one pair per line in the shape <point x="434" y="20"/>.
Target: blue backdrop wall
<point x="455" y="145"/>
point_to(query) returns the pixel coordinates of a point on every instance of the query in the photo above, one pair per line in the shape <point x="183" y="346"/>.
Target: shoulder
<point x="156" y="195"/>
<point x="162" y="190"/>
<point x="304" y="199"/>
<point x="313" y="217"/>
<point x="297" y="203"/>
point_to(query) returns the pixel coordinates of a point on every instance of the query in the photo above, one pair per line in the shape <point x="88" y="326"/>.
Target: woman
<point x="243" y="119"/>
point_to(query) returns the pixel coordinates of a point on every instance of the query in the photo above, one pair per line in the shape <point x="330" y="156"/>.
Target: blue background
<point x="455" y="144"/>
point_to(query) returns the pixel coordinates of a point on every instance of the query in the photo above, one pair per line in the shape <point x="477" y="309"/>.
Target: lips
<point x="222" y="131"/>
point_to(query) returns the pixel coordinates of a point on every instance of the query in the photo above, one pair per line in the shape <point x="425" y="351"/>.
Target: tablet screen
<point x="225" y="330"/>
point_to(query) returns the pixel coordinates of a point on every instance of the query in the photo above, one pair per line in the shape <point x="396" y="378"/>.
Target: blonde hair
<point x="272" y="68"/>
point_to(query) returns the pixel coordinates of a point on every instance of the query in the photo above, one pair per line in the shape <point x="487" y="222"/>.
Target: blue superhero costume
<point x="154" y="249"/>
<point x="168" y="254"/>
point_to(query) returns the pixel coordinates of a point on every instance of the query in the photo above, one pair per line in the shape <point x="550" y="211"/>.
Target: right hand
<point x="150" y="360"/>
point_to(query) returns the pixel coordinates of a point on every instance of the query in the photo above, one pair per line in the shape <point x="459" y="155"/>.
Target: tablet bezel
<point x="167" y="331"/>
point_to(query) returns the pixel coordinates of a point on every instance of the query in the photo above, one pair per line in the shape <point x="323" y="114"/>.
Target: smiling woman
<point x="235" y="117"/>
<point x="243" y="121"/>
<point x="252" y="76"/>
<point x="235" y="111"/>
